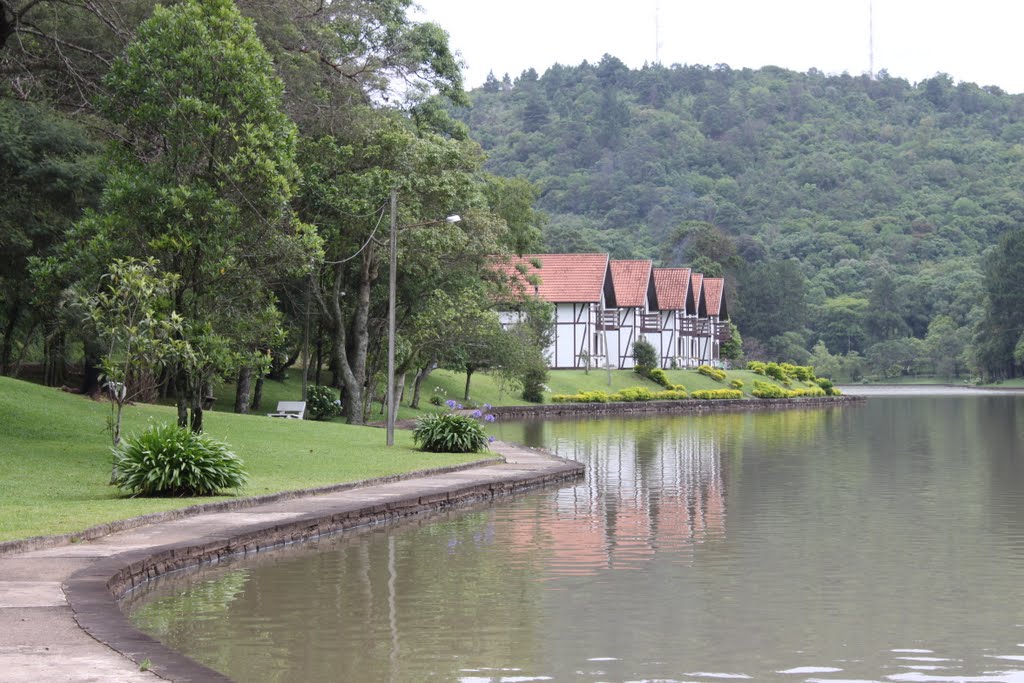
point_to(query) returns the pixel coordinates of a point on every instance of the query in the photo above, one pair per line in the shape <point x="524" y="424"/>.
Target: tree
<point x="49" y="170"/>
<point x="824" y="363"/>
<point x="732" y="348"/>
<point x="344" y="193"/>
<point x="130" y="316"/>
<point x="897" y="357"/>
<point x="998" y="333"/>
<point x="841" y="323"/>
<point x="946" y="344"/>
<point x="512" y="200"/>
<point x="201" y="181"/>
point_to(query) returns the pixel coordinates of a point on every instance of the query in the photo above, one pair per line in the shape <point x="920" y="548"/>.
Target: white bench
<point x="296" y="410"/>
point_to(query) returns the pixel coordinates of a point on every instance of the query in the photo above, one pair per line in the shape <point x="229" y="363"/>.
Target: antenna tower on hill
<point x="871" y="39"/>
<point x="657" y="32"/>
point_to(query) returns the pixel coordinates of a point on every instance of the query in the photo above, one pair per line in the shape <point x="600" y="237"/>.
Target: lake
<point x="875" y="542"/>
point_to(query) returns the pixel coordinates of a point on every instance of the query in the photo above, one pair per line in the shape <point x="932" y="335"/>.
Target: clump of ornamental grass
<point x="167" y="460"/>
<point x="452" y="432"/>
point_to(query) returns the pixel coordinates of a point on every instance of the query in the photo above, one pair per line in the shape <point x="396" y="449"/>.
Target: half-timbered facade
<point x="602" y="306"/>
<point x="633" y="299"/>
<point x="578" y="285"/>
<point x="672" y="290"/>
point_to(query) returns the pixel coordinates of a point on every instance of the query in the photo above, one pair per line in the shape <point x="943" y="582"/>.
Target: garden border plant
<point x="453" y="431"/>
<point x="168" y="460"/>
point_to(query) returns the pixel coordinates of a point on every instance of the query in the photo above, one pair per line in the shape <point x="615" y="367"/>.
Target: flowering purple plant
<point x="450" y="403"/>
<point x="488" y="417"/>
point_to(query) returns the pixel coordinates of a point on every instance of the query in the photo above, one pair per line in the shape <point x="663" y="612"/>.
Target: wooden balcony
<point x="650" y="322"/>
<point x="695" y="327"/>
<point x="606" y="320"/>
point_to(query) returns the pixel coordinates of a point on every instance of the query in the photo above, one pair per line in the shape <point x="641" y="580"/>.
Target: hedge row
<point x="766" y="390"/>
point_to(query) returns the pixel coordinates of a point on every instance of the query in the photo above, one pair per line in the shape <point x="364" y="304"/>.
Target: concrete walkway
<point x="59" y="619"/>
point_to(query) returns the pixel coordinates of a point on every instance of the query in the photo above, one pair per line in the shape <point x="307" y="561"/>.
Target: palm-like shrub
<point x="167" y="460"/>
<point x="449" y="433"/>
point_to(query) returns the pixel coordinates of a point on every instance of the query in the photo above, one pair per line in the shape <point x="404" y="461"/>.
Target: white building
<point x="602" y="306"/>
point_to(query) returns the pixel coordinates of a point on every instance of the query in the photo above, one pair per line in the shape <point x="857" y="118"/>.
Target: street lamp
<point x="392" y="277"/>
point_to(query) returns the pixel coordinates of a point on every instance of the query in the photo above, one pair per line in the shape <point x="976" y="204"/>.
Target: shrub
<point x="767" y="390"/>
<point x="807" y="392"/>
<point x="645" y="356"/>
<point x="633" y="394"/>
<point x="715" y="394"/>
<point x="736" y="384"/>
<point x="167" y="460"/>
<point x="826" y="385"/>
<point x="436" y="400"/>
<point x="449" y="433"/>
<point x="321" y="403"/>
<point x="775" y="371"/>
<point x="713" y="373"/>
<point x="803" y="373"/>
<point x="677" y="387"/>
<point x="658" y="376"/>
<point x="582" y="397"/>
<point x="669" y="395"/>
<point x="757" y="367"/>
<point x="534" y="380"/>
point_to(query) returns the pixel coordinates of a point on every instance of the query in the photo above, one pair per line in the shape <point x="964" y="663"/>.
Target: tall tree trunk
<point x="469" y="375"/>
<point x="182" y="395"/>
<point x="350" y="364"/>
<point x="16" y="370"/>
<point x="196" y="424"/>
<point x="7" y="350"/>
<point x="399" y="390"/>
<point x="92" y="369"/>
<point x="418" y="381"/>
<point x="242" y="390"/>
<point x="257" y="394"/>
<point x="319" y="352"/>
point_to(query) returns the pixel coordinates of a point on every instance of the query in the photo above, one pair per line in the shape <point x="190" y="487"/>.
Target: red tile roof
<point x="696" y="283"/>
<point x="671" y="285"/>
<point x="714" y="288"/>
<point x="631" y="280"/>
<point x="564" y="278"/>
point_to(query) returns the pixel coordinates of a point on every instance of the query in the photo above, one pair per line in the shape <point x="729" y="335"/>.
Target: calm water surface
<point x="883" y="542"/>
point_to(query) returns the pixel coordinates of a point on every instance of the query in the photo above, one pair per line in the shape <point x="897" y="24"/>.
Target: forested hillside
<point x="848" y="210"/>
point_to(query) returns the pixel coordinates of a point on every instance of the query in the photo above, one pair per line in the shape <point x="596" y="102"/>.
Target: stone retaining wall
<point x="681" y="407"/>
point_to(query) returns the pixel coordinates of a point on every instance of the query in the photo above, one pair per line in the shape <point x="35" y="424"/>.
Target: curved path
<point x="59" y="620"/>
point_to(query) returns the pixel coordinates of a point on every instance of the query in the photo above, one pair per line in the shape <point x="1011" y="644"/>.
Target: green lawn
<point x="485" y="388"/>
<point x="55" y="462"/>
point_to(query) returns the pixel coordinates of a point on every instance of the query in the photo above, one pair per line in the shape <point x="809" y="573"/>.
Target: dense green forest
<point x="202" y="191"/>
<point x="863" y="213"/>
<point x="197" y="190"/>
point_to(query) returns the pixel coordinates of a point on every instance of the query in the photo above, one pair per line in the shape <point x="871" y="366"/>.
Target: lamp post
<point x="392" y="278"/>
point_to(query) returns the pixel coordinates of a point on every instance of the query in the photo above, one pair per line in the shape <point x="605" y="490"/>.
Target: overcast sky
<point x="979" y="41"/>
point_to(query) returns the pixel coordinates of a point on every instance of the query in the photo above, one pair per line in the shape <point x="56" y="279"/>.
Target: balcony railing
<point x="650" y="322"/>
<point x="607" y="320"/>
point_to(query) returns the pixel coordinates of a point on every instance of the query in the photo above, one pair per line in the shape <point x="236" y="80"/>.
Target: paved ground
<point x="59" y="621"/>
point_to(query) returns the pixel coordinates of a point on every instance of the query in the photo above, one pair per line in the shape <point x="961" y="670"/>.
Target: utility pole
<point x="392" y="277"/>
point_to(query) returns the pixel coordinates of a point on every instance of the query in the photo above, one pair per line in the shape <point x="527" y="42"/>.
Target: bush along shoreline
<point x="790" y="382"/>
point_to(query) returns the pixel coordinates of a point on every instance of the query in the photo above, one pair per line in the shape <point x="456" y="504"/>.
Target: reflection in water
<point x="638" y="502"/>
<point x="875" y="543"/>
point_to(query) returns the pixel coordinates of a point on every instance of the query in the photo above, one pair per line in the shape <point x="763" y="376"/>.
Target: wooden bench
<point x="295" y="410"/>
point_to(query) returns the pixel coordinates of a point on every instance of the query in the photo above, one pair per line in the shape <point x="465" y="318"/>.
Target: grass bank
<point x="55" y="462"/>
<point x="485" y="388"/>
